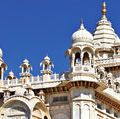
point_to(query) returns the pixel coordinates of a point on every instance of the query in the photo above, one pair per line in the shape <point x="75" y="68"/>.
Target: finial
<point x="104" y="9"/>
<point x="82" y="25"/>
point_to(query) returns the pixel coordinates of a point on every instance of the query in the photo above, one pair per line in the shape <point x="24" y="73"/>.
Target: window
<point x="115" y="114"/>
<point x="46" y="67"/>
<point x="99" y="106"/>
<point x="108" y="110"/>
<point x="60" y="99"/>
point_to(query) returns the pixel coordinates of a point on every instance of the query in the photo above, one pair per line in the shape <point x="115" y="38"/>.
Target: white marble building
<point x="90" y="90"/>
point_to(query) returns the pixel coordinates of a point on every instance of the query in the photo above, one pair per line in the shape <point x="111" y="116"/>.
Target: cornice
<point x="107" y="100"/>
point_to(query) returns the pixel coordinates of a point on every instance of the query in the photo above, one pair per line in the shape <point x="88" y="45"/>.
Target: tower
<point x="26" y="68"/>
<point x="82" y="51"/>
<point x="3" y="65"/>
<point x="82" y="63"/>
<point x="104" y="36"/>
<point x="47" y="69"/>
<point x="47" y="66"/>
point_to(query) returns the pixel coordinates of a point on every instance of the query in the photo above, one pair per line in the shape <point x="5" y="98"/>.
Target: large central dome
<point x="81" y="35"/>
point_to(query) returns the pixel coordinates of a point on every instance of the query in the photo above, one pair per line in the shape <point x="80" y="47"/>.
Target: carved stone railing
<point x="108" y="61"/>
<point x="31" y="80"/>
<point x="83" y="68"/>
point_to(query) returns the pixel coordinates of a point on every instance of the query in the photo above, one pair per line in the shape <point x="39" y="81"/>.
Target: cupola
<point x="26" y="68"/>
<point x="81" y="36"/>
<point x="11" y="76"/>
<point x="47" y="66"/>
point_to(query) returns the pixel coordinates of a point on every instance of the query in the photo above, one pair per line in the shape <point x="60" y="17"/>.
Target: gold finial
<point x="104" y="8"/>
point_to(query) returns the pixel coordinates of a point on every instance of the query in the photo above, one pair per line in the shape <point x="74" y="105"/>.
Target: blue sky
<point x="34" y="28"/>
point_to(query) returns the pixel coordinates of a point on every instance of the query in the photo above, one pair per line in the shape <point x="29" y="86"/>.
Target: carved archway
<point x="15" y="109"/>
<point x="39" y="110"/>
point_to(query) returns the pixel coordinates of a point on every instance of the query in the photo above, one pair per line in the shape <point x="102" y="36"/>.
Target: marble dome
<point x="82" y="35"/>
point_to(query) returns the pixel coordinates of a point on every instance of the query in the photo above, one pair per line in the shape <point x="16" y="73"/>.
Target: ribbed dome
<point x="82" y="35"/>
<point x="104" y="32"/>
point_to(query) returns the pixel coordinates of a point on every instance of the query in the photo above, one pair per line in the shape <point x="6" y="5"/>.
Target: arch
<point x="86" y="111"/>
<point x="86" y="59"/>
<point x="88" y="49"/>
<point x="3" y="65"/>
<point x="36" y="113"/>
<point x="16" y="109"/>
<point x="77" y="111"/>
<point x="45" y="117"/>
<point x="75" y="49"/>
<point x="38" y="108"/>
<point x="77" y="59"/>
<point x="39" y="112"/>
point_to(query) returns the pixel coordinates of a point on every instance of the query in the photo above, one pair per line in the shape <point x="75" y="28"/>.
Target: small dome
<point x="1" y="52"/>
<point x="26" y="61"/>
<point x="11" y="73"/>
<point x="46" y="58"/>
<point x="82" y="35"/>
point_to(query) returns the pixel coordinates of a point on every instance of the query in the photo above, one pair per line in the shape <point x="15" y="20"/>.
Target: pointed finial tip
<point x="104" y="4"/>
<point x="82" y="25"/>
<point x="104" y="8"/>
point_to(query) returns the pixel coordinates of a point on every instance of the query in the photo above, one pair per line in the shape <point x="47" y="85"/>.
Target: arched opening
<point x="36" y="114"/>
<point x="15" y="109"/>
<point x="77" y="111"/>
<point x="40" y="111"/>
<point x="86" y="110"/>
<point x="86" y="60"/>
<point x="24" y="69"/>
<point x="77" y="59"/>
<point x="101" y="75"/>
<point x="46" y="67"/>
<point x="45" y="117"/>
<point x="116" y="51"/>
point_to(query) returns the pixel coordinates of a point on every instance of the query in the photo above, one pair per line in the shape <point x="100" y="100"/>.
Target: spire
<point x="82" y="25"/>
<point x="104" y="9"/>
